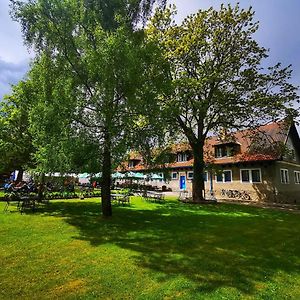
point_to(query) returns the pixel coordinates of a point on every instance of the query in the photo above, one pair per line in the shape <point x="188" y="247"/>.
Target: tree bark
<point x="106" y="178"/>
<point x="198" y="171"/>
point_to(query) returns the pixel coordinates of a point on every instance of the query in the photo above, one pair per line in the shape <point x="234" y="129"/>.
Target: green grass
<point x="66" y="250"/>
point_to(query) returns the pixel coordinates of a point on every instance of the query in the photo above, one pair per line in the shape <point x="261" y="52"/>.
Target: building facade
<point x="259" y="165"/>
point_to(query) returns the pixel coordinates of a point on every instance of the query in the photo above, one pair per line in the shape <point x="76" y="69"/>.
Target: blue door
<point x="182" y="183"/>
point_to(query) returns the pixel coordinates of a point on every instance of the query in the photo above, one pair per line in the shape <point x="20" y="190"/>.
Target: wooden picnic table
<point x="121" y="198"/>
<point x="154" y="196"/>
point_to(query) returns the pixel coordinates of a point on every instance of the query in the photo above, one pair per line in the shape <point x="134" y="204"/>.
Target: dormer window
<point x="181" y="157"/>
<point x="226" y="150"/>
<point x="131" y="164"/>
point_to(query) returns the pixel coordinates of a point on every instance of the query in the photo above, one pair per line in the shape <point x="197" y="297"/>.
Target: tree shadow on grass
<point x="214" y="246"/>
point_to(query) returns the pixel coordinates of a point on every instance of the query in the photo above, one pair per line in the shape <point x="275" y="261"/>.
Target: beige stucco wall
<point x="269" y="190"/>
<point x="174" y="184"/>
<point x="254" y="190"/>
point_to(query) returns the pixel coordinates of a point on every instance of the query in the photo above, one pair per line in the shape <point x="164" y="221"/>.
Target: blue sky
<point x="279" y="31"/>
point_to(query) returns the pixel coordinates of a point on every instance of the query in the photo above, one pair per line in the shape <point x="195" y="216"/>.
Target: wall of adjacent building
<point x="286" y="192"/>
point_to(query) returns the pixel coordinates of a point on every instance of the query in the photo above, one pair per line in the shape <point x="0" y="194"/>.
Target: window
<point x="245" y="175"/>
<point x="284" y="176"/>
<point x="225" y="151"/>
<point x="190" y="175"/>
<point x="251" y="175"/>
<point x="297" y="177"/>
<point x="219" y="177"/>
<point x="219" y="152"/>
<point x="205" y="175"/>
<point x="231" y="151"/>
<point x="181" y="157"/>
<point x="174" y="175"/>
<point x="255" y="174"/>
<point x="131" y="164"/>
<point x="225" y="176"/>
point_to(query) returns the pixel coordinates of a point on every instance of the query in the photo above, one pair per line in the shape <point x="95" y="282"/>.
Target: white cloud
<point x="11" y="73"/>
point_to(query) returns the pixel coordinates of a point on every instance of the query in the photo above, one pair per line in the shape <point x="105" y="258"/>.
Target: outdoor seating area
<point x="20" y="203"/>
<point x="154" y="196"/>
<point x="121" y="198"/>
<point x="186" y="197"/>
<point x="139" y="181"/>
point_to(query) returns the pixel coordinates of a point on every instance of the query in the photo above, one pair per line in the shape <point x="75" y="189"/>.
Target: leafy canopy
<point x="16" y="147"/>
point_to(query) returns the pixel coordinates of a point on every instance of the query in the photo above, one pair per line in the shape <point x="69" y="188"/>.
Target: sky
<point x="279" y="32"/>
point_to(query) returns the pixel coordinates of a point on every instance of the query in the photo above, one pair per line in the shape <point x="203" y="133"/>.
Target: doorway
<point x="182" y="183"/>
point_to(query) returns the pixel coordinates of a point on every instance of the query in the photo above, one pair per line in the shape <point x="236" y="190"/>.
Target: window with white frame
<point x="220" y="152"/>
<point x="297" y="177"/>
<point x="223" y="151"/>
<point x="205" y="176"/>
<point x="250" y="175"/>
<point x="181" y="157"/>
<point x="225" y="176"/>
<point x="174" y="175"/>
<point x="256" y="175"/>
<point x="190" y="175"/>
<point x="284" y="176"/>
<point x="131" y="164"/>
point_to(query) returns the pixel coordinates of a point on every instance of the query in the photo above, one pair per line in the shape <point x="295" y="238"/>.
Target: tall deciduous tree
<point x="218" y="76"/>
<point x="16" y="147"/>
<point x="115" y="73"/>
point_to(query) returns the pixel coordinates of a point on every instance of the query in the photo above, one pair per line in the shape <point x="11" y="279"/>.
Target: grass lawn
<point x="66" y="250"/>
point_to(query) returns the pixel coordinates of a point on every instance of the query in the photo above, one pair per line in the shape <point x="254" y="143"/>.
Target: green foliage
<point x="100" y="81"/>
<point x="217" y="72"/>
<point x="110" y="13"/>
<point x="16" y="147"/>
<point x="149" y="251"/>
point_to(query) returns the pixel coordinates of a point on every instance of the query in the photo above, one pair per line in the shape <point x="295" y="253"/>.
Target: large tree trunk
<point x="106" y="179"/>
<point x="198" y="168"/>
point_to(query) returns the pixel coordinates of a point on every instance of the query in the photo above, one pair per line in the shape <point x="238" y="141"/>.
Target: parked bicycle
<point x="236" y="194"/>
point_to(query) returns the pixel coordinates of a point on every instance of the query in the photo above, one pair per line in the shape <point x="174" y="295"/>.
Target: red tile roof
<point x="265" y="136"/>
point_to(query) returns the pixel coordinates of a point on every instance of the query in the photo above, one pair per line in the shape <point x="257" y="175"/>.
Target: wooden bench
<point x="154" y="196"/>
